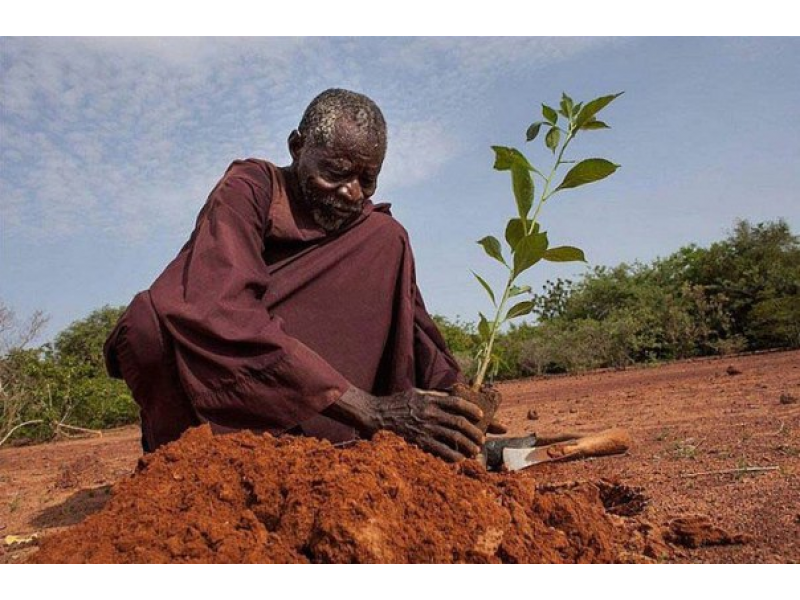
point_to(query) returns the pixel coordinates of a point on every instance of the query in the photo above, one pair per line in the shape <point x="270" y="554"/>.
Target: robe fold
<point x="264" y="319"/>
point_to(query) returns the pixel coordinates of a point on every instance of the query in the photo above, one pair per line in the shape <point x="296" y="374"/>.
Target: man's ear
<point x="295" y="144"/>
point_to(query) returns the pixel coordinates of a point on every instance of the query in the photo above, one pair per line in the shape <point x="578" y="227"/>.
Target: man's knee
<point x="136" y="347"/>
<point x="141" y="353"/>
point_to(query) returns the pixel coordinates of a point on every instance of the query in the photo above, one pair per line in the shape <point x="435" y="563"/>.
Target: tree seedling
<point x="526" y="242"/>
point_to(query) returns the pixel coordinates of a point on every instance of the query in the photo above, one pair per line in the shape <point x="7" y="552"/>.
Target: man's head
<point x="337" y="153"/>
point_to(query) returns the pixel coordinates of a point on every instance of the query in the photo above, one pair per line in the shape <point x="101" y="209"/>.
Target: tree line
<point x="739" y="294"/>
<point x="59" y="388"/>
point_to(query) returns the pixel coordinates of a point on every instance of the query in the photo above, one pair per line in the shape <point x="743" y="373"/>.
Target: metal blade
<point x="516" y="459"/>
<point x="492" y="452"/>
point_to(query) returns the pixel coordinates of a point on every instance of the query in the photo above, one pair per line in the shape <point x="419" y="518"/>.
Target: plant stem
<point x="487" y="356"/>
<point x="727" y="471"/>
<point x="546" y="193"/>
<point x="8" y="435"/>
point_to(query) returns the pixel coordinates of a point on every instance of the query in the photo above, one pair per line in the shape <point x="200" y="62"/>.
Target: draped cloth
<point x="263" y="320"/>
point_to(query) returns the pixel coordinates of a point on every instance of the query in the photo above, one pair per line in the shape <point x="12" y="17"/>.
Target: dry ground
<point x="686" y="419"/>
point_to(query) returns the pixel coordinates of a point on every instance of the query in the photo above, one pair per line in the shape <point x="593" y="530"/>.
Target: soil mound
<point x="247" y="498"/>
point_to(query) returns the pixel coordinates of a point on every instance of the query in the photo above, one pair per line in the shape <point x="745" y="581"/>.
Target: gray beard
<point x="324" y="215"/>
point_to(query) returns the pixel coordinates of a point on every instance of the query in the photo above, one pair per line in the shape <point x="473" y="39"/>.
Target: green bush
<point x="62" y="385"/>
<point x="775" y="322"/>
<point x="741" y="293"/>
<point x="461" y="336"/>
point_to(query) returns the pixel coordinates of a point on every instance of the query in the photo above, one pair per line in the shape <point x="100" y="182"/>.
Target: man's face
<point x="338" y="178"/>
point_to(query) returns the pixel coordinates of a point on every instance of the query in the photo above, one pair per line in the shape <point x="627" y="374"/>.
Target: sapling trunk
<point x="527" y="244"/>
<point x="495" y="327"/>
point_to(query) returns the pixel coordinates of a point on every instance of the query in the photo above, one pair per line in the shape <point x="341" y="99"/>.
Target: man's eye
<point x="337" y="172"/>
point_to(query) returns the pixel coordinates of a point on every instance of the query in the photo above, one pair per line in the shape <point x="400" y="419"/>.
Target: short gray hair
<point x="319" y="120"/>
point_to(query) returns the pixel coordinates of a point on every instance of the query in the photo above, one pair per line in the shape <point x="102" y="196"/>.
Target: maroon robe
<point x="263" y="320"/>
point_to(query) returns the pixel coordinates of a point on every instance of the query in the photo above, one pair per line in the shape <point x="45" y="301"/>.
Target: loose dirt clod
<point x="532" y="415"/>
<point x="694" y="531"/>
<point x="731" y="370"/>
<point x="620" y="499"/>
<point x="74" y="473"/>
<point x="788" y="399"/>
<point x="249" y="498"/>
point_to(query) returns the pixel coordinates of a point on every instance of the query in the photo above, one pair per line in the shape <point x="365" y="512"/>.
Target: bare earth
<point x="688" y="421"/>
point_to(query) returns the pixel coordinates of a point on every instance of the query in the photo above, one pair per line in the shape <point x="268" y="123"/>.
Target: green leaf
<point x="515" y="231"/>
<point x="506" y="157"/>
<point x="552" y="139"/>
<point x="484" y="329"/>
<point x="566" y="105"/>
<point x="492" y="247"/>
<point x="503" y="158"/>
<point x="486" y="287"/>
<point x="533" y="131"/>
<point x="564" y="254"/>
<point x="529" y="251"/>
<point x="517" y="290"/>
<point x="518" y="310"/>
<point x="522" y="183"/>
<point x="549" y="114"/>
<point x="594" y="124"/>
<point x="587" y="171"/>
<point x="592" y="108"/>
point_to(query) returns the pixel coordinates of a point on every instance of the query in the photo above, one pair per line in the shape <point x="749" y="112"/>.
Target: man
<point x="293" y="307"/>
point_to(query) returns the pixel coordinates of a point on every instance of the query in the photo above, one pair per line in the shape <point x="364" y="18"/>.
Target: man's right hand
<point x="435" y="421"/>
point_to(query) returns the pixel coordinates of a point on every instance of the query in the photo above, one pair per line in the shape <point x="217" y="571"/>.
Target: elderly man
<point x="293" y="307"/>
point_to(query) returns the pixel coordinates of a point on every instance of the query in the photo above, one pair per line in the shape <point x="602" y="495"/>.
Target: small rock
<point x="533" y="415"/>
<point x="20" y="541"/>
<point x="573" y="410"/>
<point x="731" y="370"/>
<point x="788" y="399"/>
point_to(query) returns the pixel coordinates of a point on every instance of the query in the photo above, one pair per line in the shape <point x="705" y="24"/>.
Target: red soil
<point x="245" y="498"/>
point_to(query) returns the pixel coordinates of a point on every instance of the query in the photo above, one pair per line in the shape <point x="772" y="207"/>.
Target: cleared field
<point x="715" y="437"/>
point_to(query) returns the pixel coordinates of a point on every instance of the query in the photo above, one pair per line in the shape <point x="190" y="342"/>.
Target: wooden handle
<point x="556" y="438"/>
<point x="610" y="441"/>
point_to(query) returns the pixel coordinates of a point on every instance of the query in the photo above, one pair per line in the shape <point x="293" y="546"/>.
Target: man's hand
<point x="441" y="424"/>
<point x="435" y="421"/>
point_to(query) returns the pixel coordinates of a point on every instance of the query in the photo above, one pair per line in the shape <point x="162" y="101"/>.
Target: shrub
<point x="64" y="384"/>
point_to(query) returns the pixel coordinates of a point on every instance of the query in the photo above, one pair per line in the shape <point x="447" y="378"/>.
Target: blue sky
<point x="109" y="147"/>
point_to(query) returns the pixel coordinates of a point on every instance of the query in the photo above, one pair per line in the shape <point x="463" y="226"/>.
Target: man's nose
<point x="351" y="191"/>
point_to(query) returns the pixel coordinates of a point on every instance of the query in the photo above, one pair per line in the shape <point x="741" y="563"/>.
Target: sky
<point x="110" y="146"/>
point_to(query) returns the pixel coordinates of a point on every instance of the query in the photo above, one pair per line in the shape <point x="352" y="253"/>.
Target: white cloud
<point x="124" y="135"/>
<point x="483" y="55"/>
<point x="416" y="152"/>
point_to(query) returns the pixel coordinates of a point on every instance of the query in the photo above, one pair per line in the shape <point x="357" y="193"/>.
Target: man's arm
<point x="237" y="364"/>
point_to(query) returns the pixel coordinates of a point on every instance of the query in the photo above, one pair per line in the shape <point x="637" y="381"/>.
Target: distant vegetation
<point x="60" y="386"/>
<point x="742" y="293"/>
